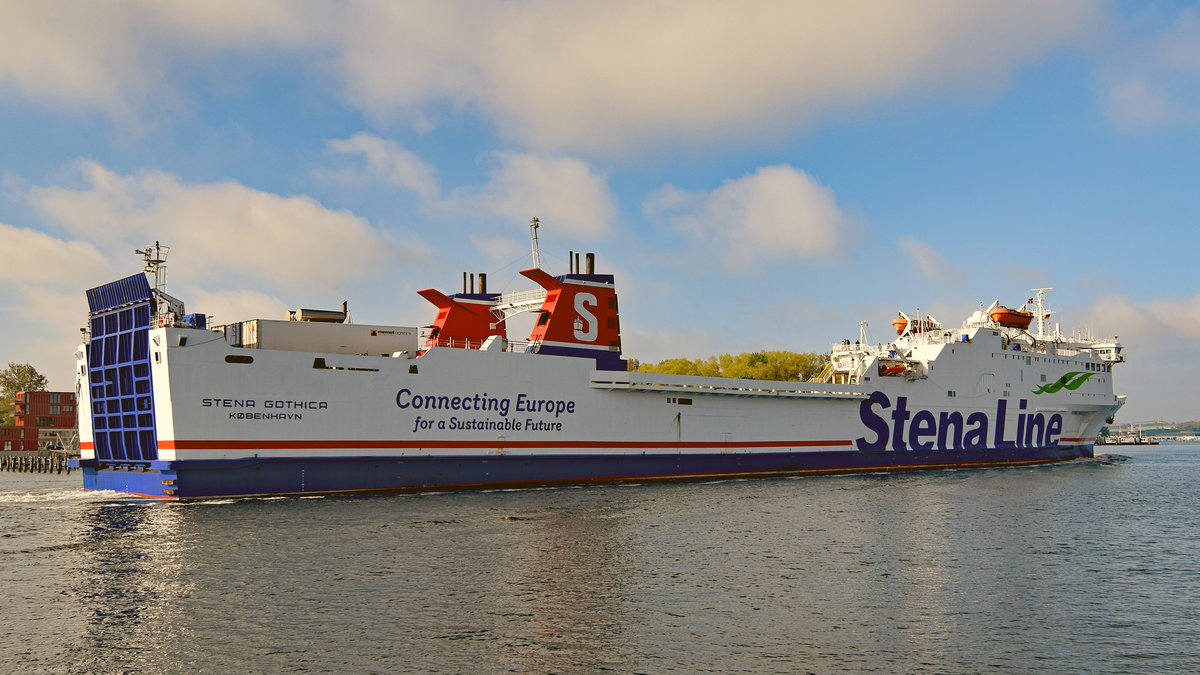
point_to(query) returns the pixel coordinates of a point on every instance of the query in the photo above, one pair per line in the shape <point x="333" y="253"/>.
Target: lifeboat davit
<point x="1011" y="318"/>
<point x="901" y="322"/>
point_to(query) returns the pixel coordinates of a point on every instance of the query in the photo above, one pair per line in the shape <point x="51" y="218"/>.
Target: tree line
<point x="783" y="366"/>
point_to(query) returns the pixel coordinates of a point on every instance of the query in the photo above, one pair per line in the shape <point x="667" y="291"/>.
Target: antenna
<point x="1040" y="307"/>
<point x="168" y="309"/>
<point x="155" y="258"/>
<point x="533" y="228"/>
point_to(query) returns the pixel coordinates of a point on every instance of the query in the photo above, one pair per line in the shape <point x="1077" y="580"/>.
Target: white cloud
<point x="227" y="238"/>
<point x="396" y="58"/>
<point x="623" y="75"/>
<point x="45" y="259"/>
<point x="501" y="250"/>
<point x="1179" y="46"/>
<point x="227" y="229"/>
<point x="117" y="56"/>
<point x="605" y="77"/>
<point x="45" y="333"/>
<point x="1165" y="318"/>
<point x="617" y="75"/>
<point x="1181" y="316"/>
<point x="560" y="190"/>
<point x="1154" y="82"/>
<point x="388" y="162"/>
<point x="1159" y="335"/>
<point x="930" y="263"/>
<point x="228" y="306"/>
<point x="776" y="213"/>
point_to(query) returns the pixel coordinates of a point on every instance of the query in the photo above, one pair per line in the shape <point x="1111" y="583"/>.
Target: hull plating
<point x="201" y="479"/>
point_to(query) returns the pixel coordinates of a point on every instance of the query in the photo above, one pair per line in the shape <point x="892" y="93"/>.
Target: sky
<point x="757" y="175"/>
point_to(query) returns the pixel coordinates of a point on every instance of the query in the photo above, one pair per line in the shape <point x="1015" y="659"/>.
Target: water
<point x="1091" y="566"/>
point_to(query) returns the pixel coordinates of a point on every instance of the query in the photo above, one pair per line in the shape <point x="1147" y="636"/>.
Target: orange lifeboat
<point x="893" y="370"/>
<point x="901" y="323"/>
<point x="1011" y="318"/>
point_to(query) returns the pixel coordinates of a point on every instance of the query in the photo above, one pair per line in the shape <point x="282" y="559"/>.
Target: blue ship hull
<point x="208" y="479"/>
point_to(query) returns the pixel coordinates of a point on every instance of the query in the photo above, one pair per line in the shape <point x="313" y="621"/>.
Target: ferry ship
<point x="313" y="403"/>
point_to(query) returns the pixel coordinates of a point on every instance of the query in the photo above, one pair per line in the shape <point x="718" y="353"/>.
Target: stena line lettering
<point x="920" y="430"/>
<point x="582" y="301"/>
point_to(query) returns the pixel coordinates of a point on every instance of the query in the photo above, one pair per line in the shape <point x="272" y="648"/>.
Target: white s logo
<point x="582" y="300"/>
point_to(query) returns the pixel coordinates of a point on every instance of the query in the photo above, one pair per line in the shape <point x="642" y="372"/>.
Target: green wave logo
<point x="1071" y="381"/>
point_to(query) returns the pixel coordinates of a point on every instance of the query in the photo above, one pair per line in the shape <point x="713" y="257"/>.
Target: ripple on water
<point x="1091" y="566"/>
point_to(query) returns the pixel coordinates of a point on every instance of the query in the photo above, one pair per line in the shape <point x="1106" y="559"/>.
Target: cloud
<point x="1154" y="82"/>
<point x="501" y="250"/>
<point x="227" y="229"/>
<point x="227" y="306"/>
<point x="387" y="162"/>
<point x="45" y="259"/>
<point x="930" y="263"/>
<point x="625" y="75"/>
<point x="1168" y="318"/>
<point x="560" y="190"/>
<point x="602" y="77"/>
<point x="42" y="303"/>
<point x="1133" y="104"/>
<point x="117" y="56"/>
<point x="1160" y="336"/>
<point x="776" y="213"/>
<point x="1180" y="315"/>
<point x="621" y="74"/>
<point x="1179" y="46"/>
<point x="45" y="332"/>
<point x="393" y="66"/>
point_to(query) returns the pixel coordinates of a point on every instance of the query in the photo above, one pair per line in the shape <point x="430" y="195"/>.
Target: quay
<point x="37" y="461"/>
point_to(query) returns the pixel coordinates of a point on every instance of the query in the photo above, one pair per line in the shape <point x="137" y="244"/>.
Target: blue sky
<point x="757" y="175"/>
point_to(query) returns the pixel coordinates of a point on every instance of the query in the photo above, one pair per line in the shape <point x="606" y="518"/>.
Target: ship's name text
<point x="950" y="430"/>
<point x="273" y="404"/>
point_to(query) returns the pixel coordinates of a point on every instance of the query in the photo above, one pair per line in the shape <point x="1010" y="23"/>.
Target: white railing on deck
<point x="682" y="384"/>
<point x="512" y="304"/>
<point x="466" y="343"/>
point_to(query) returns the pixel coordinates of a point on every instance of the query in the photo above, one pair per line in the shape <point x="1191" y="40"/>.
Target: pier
<point x="40" y="461"/>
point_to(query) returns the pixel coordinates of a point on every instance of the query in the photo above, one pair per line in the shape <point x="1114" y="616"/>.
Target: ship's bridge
<point x="921" y="339"/>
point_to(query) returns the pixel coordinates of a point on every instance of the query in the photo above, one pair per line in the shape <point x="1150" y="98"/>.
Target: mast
<point x="533" y="228"/>
<point x="166" y="308"/>
<point x="1039" y="307"/>
<point x="155" y="259"/>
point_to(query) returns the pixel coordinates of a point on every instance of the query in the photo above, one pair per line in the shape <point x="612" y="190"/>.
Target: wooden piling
<point x="43" y="462"/>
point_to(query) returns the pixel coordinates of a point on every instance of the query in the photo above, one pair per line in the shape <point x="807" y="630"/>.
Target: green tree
<point x="765" y="365"/>
<point x="17" y="377"/>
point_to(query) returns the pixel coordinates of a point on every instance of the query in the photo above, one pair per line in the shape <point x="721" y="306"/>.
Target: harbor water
<point x="1092" y="566"/>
